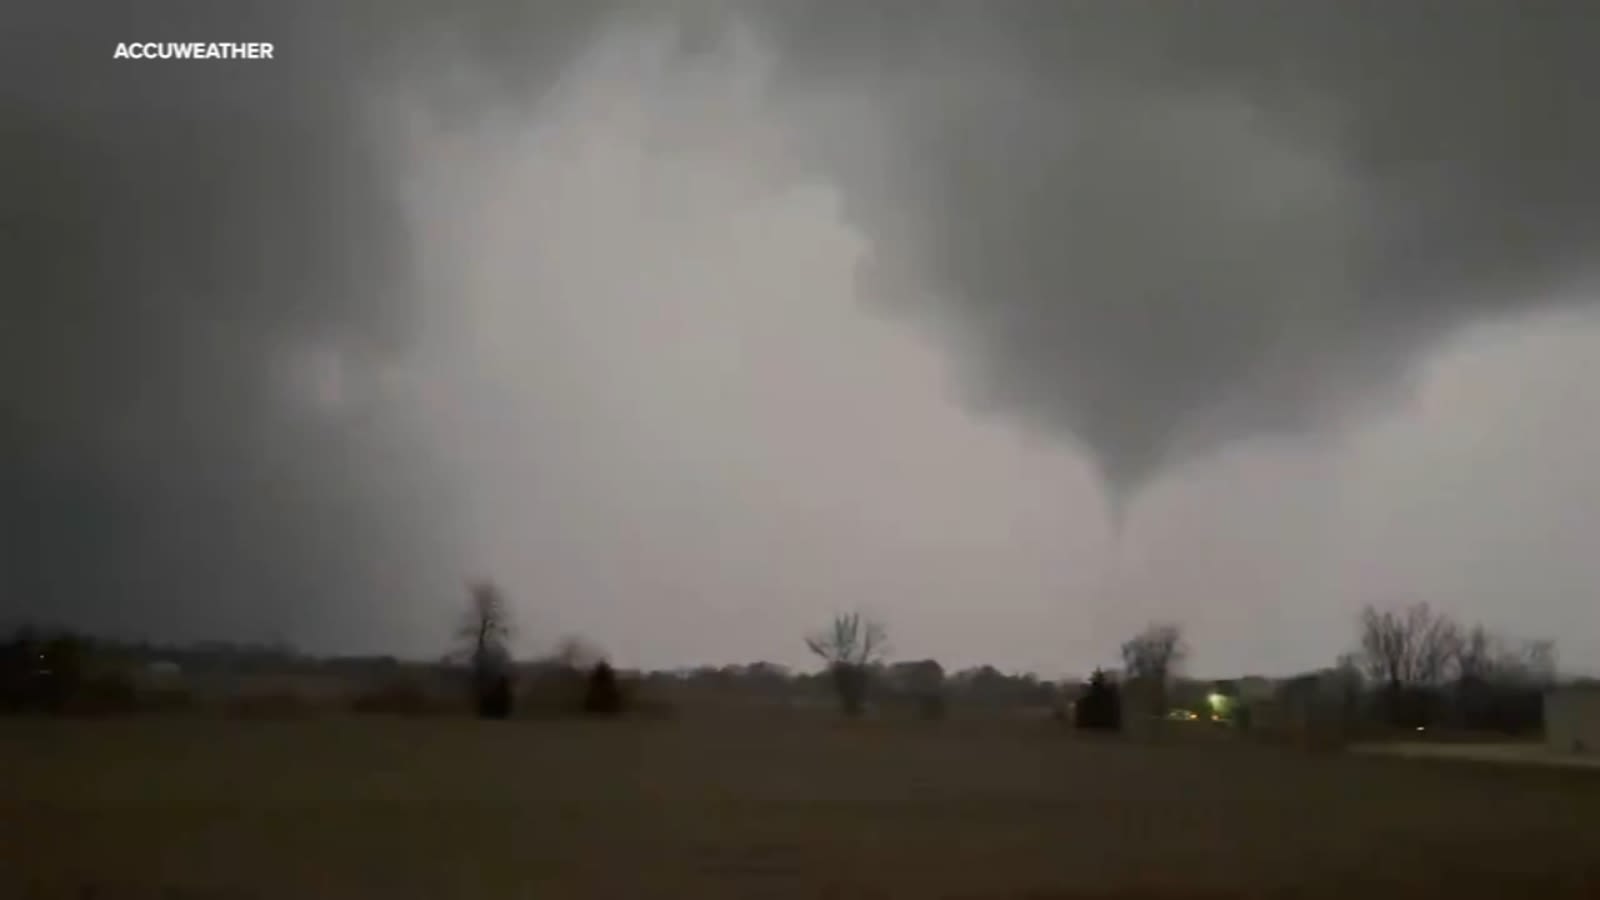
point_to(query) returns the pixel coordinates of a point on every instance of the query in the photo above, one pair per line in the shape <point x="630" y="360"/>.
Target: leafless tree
<point x="1415" y="647"/>
<point x="851" y="639"/>
<point x="1477" y="654"/>
<point x="1427" y="666"/>
<point x="485" y="631"/>
<point x="1500" y="683"/>
<point x="1151" y="659"/>
<point x="1155" y="653"/>
<point x="1481" y="656"/>
<point x="849" y="645"/>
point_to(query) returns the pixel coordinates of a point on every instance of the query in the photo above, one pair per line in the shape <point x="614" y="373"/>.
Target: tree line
<point x="1411" y="667"/>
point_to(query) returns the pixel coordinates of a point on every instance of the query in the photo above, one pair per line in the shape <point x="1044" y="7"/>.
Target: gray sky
<point x="1014" y="324"/>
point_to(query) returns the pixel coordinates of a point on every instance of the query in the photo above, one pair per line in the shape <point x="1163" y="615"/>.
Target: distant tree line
<point x="1423" y="668"/>
<point x="54" y="671"/>
<point x="1413" y="667"/>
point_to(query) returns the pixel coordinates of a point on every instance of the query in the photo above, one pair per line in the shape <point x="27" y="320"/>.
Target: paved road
<point x="1516" y="754"/>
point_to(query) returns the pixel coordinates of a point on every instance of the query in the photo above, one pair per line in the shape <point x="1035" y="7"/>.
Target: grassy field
<point x="380" y="808"/>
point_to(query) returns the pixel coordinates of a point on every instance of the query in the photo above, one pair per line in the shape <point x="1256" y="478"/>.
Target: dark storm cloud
<point x="1153" y="227"/>
<point x="181" y="242"/>
<point x="1160" y="227"/>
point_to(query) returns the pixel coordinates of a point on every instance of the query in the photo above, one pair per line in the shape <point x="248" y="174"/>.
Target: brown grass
<point x="785" y="806"/>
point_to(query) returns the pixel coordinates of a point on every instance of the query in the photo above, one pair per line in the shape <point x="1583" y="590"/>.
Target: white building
<point x="1572" y="718"/>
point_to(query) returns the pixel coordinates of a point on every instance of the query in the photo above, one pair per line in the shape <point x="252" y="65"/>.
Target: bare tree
<point x="485" y="632"/>
<point x="1477" y="655"/>
<point x="1483" y="657"/>
<point x="1153" y="657"/>
<point x="849" y="645"/>
<point x="1413" y="648"/>
<point x="1500" y="683"/>
<point x="850" y="639"/>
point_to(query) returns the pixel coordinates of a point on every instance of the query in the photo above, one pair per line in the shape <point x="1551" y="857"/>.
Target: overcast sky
<point x="1014" y="324"/>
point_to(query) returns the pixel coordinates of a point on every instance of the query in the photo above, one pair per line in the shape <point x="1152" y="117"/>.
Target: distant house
<point x="1572" y="718"/>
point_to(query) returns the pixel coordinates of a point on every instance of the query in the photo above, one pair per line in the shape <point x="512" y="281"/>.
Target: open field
<point x="804" y="807"/>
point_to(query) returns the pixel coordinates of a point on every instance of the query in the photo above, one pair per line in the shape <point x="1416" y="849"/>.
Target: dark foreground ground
<point x="750" y="809"/>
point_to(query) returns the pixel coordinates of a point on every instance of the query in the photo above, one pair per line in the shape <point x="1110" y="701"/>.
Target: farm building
<point x="1572" y="718"/>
